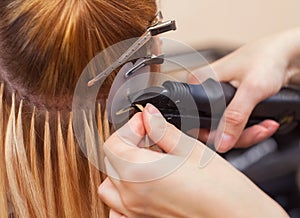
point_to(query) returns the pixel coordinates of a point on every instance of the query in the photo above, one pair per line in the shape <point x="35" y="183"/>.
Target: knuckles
<point x="234" y="118"/>
<point x="137" y="203"/>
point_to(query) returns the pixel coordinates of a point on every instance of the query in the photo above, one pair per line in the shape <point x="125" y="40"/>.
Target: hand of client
<point x="188" y="180"/>
<point x="258" y="70"/>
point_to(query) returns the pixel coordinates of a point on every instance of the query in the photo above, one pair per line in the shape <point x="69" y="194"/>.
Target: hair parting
<point x="60" y="188"/>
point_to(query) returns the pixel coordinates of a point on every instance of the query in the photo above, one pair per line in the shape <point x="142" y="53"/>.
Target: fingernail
<point x="157" y="125"/>
<point x="273" y="127"/>
<point x="152" y="110"/>
<point x="225" y="142"/>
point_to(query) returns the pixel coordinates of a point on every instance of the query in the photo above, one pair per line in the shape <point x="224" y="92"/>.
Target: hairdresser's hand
<point x="258" y="70"/>
<point x="189" y="180"/>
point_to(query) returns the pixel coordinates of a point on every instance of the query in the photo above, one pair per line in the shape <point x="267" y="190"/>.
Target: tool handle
<point x="212" y="97"/>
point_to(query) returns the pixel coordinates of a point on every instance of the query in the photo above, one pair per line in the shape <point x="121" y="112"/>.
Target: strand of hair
<point x="101" y="140"/>
<point x="28" y="184"/>
<point x="66" y="189"/>
<point x="48" y="172"/>
<point x="106" y="126"/>
<point x="97" y="207"/>
<point x="33" y="151"/>
<point x="72" y="150"/>
<point x="3" y="188"/>
<point x="17" y="198"/>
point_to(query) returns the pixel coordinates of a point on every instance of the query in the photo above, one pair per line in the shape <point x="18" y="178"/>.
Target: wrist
<point x="290" y="41"/>
<point x="290" y="50"/>
<point x="293" y="72"/>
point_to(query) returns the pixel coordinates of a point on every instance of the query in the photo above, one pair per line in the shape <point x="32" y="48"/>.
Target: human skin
<point x="258" y="70"/>
<point x="214" y="190"/>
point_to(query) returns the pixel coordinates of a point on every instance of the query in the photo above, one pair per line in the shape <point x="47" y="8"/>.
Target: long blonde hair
<point x="45" y="46"/>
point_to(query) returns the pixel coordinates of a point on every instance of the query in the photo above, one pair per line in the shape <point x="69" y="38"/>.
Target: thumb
<point x="234" y="120"/>
<point x="164" y="134"/>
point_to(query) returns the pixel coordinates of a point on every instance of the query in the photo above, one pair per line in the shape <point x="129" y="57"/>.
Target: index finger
<point x="128" y="162"/>
<point x="235" y="118"/>
<point x="130" y="135"/>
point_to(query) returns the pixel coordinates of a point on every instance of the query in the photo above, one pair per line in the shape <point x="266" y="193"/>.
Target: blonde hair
<point x="45" y="46"/>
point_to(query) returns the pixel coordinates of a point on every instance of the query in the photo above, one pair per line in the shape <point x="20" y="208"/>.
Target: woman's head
<point x="44" y="47"/>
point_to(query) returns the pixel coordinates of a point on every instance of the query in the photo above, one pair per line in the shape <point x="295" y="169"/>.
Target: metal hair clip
<point x="147" y="61"/>
<point x="156" y="28"/>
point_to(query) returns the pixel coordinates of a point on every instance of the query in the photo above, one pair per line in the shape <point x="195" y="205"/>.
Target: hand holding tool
<point x="201" y="106"/>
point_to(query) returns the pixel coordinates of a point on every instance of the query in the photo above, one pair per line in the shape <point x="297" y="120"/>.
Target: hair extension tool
<point x="201" y="106"/>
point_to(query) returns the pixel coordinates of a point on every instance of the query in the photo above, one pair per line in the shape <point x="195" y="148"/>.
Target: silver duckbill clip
<point x="147" y="61"/>
<point x="157" y="28"/>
